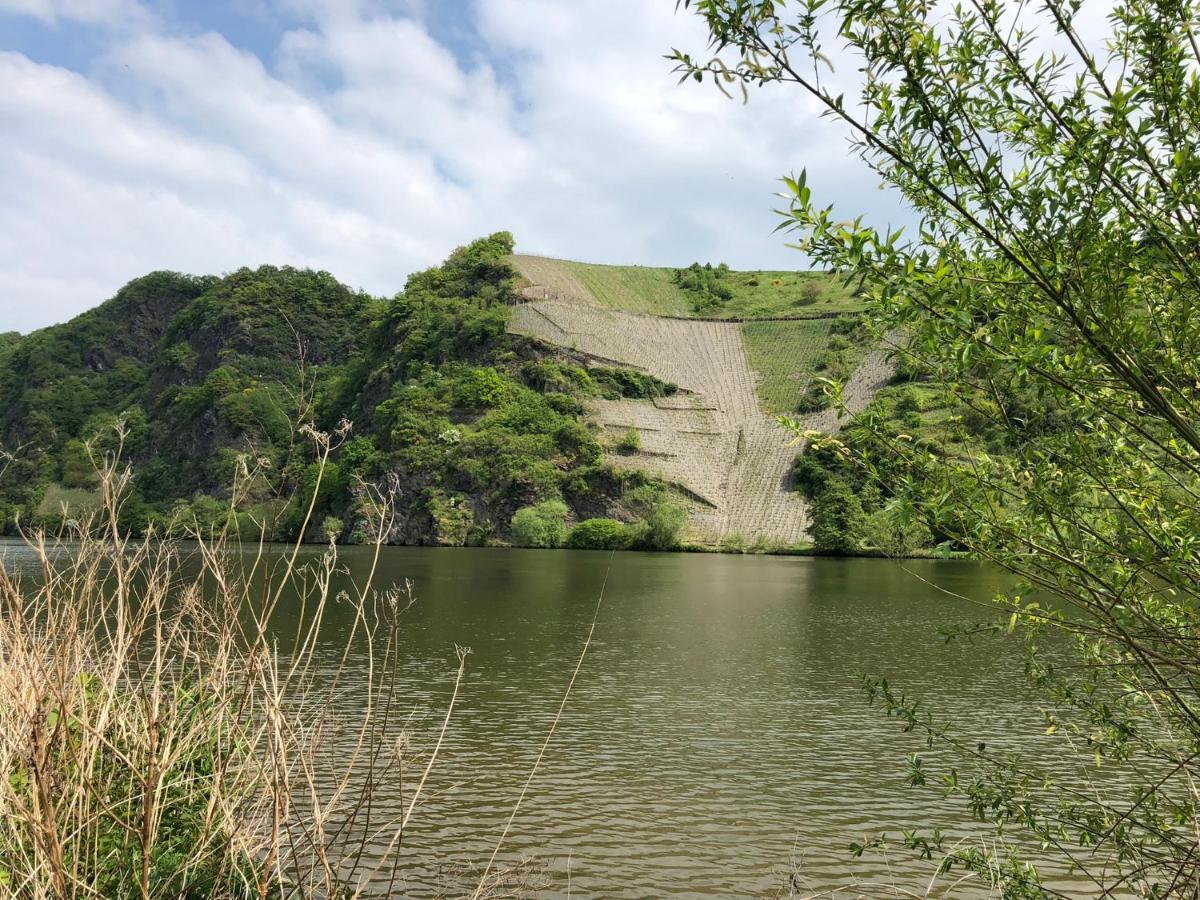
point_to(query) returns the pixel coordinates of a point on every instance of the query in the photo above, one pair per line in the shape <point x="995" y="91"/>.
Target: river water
<point x="718" y="735"/>
<point x="718" y="732"/>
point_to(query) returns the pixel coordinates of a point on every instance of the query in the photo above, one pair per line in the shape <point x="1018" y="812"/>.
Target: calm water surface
<point x="718" y="730"/>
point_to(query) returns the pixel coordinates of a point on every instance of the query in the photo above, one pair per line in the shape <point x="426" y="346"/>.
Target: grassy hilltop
<point x="660" y="291"/>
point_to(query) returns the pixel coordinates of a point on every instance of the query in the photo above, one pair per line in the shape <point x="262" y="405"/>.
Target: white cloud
<point x="365" y="147"/>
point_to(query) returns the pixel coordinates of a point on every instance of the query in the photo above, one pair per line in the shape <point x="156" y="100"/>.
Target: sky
<point x="369" y="138"/>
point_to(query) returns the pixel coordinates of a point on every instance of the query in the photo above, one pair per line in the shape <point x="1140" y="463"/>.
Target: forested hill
<point x="211" y="377"/>
<point x="501" y="398"/>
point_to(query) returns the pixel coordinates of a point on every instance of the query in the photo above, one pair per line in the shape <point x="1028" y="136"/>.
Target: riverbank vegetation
<point x="1046" y="299"/>
<point x="163" y="736"/>
<point x="658" y="524"/>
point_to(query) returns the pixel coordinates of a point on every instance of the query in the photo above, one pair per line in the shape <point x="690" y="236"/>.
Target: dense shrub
<point x="578" y="443"/>
<point x="600" y="534"/>
<point x="484" y="388"/>
<point x="629" y="383"/>
<point x="708" y="286"/>
<point x="565" y="405"/>
<point x="814" y="467"/>
<point x="661" y="526"/>
<point x="660" y="519"/>
<point x="361" y="457"/>
<point x="547" y="375"/>
<point x="543" y="525"/>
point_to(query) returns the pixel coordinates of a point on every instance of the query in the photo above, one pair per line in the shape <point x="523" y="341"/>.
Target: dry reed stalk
<point x="157" y="741"/>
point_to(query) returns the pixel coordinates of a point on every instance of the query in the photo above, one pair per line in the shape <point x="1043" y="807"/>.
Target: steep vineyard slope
<point x="713" y="439"/>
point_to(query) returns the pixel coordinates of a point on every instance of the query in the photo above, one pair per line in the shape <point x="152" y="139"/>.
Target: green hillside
<point x="199" y="370"/>
<point x="665" y="291"/>
<point x="485" y="435"/>
<point x="211" y="379"/>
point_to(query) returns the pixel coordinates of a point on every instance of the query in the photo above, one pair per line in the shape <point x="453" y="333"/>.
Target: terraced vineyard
<point x="712" y="440"/>
<point x="784" y="355"/>
<point x="717" y="440"/>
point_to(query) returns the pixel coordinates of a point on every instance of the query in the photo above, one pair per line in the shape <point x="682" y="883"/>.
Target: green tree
<point x="837" y="519"/>
<point x="1053" y="269"/>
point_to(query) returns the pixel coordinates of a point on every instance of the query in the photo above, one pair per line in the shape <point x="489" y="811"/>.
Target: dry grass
<point x="160" y="738"/>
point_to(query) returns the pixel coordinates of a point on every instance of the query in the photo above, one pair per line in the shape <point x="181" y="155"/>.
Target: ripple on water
<point x="717" y="730"/>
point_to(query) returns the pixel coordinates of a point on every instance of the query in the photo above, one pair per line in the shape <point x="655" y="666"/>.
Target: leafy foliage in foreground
<point x="1050" y="291"/>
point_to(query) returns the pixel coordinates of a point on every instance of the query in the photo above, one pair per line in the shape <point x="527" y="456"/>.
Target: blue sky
<point x="369" y="138"/>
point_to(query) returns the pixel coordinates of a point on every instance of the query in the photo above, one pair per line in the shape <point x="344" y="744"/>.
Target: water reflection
<point x="717" y="729"/>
